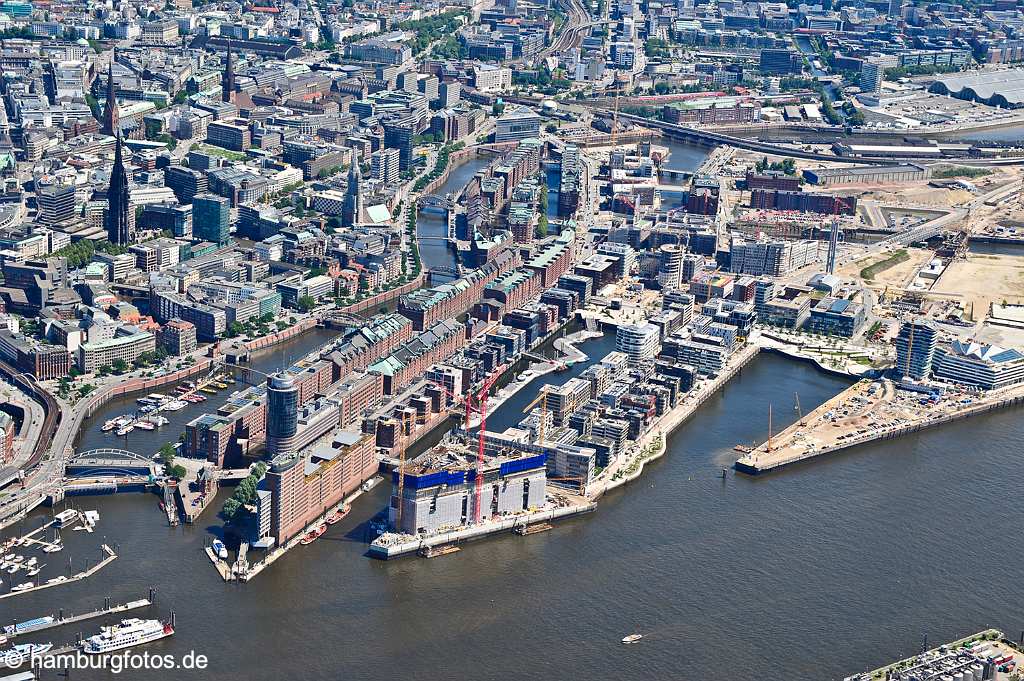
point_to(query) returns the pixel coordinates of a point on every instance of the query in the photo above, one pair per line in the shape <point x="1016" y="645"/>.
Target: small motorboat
<point x="338" y="515"/>
<point x="632" y="638"/>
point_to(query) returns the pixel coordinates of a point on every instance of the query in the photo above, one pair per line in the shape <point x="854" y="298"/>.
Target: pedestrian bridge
<point x="435" y="203"/>
<point x="108" y="462"/>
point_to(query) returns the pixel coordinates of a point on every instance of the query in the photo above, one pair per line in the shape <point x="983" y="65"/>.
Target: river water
<point x="814" y="572"/>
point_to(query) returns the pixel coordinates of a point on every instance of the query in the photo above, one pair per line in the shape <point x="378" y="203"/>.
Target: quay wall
<point x="673" y="421"/>
<point x="890" y="434"/>
<point x="385" y="296"/>
<point x="280" y="336"/>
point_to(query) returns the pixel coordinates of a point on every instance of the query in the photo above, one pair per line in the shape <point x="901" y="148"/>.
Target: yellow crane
<point x="543" y="399"/>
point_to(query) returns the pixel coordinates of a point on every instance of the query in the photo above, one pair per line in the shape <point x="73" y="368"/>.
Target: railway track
<point x="51" y="411"/>
<point x="577" y="19"/>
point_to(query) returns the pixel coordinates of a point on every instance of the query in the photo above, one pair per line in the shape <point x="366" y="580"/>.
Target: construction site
<point x="869" y="411"/>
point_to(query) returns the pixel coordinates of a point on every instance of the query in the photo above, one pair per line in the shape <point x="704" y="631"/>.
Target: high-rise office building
<point x="119" y="220"/>
<point x="384" y="165"/>
<point x="915" y="349"/>
<point x="398" y="134"/>
<point x="211" y="218"/>
<point x="56" y="203"/>
<point x="282" y="413"/>
<point x="448" y="94"/>
<point x="779" y="62"/>
<point x="872" y="73"/>
<point x="186" y="183"/>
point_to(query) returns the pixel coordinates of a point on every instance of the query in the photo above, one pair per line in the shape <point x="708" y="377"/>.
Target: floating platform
<point x="110" y="557"/>
<point x="53" y="622"/>
<point x="437" y="552"/>
<point x="524" y="530"/>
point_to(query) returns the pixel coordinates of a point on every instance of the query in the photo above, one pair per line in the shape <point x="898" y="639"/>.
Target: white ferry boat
<point x="129" y="633"/>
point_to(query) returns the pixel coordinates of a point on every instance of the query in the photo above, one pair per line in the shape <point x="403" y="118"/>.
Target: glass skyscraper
<point x="211" y="218"/>
<point x="282" y="413"/>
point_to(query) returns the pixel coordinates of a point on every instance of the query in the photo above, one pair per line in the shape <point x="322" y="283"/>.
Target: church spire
<point x="110" y="115"/>
<point x="118" y="221"/>
<point x="228" y="82"/>
<point x="352" y="206"/>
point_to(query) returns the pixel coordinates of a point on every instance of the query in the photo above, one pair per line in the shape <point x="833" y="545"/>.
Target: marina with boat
<point x="15" y="564"/>
<point x="147" y="415"/>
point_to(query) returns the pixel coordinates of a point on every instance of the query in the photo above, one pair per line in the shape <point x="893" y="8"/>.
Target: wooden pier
<point x="223" y="569"/>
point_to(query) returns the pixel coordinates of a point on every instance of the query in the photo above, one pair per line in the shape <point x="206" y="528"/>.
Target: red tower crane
<point x="480" y="397"/>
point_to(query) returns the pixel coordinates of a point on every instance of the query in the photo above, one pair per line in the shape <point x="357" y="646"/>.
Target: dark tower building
<point x="110" y="117"/>
<point x="228" y="81"/>
<point x="352" y="207"/>
<point x="119" y="226"/>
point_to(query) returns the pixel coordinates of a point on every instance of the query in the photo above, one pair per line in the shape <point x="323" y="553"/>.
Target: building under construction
<point x="438" y="492"/>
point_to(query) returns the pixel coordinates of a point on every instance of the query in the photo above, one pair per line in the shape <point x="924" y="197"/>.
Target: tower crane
<point x="404" y="425"/>
<point x="403" y="445"/>
<point x="543" y="399"/>
<point x="480" y="399"/>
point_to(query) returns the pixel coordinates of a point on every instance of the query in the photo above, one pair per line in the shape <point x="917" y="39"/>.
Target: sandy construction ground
<point x="984" y="278"/>
<point x="909" y="194"/>
<point x="899" y="275"/>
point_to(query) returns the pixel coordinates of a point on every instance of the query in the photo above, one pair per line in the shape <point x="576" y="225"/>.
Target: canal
<point x="435" y="253"/>
<point x="815" y="572"/>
